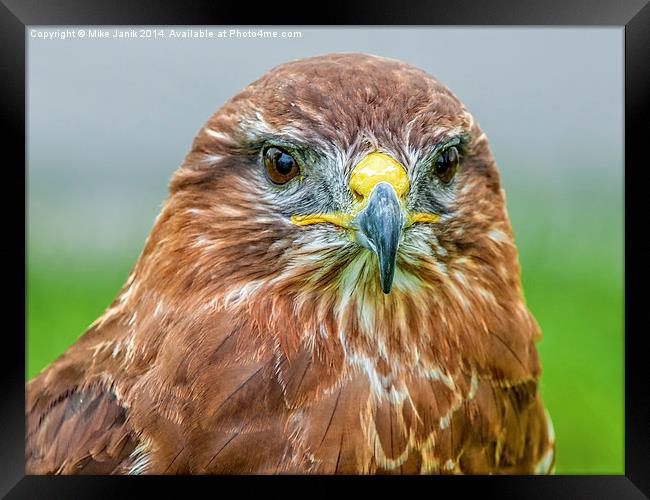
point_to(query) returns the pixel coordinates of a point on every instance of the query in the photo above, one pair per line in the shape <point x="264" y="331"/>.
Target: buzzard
<point x="331" y="287"/>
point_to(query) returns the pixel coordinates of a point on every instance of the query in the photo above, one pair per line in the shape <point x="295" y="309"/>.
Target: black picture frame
<point x="632" y="15"/>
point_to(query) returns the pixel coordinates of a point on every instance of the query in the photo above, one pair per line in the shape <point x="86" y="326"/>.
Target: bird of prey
<point x="331" y="286"/>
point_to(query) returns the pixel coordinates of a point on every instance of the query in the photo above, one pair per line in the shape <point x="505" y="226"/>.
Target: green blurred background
<point x="110" y="120"/>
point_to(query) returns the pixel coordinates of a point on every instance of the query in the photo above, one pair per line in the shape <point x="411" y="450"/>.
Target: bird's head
<point x="340" y="179"/>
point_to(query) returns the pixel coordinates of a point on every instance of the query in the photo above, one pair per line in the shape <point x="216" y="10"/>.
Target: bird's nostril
<point x="358" y="197"/>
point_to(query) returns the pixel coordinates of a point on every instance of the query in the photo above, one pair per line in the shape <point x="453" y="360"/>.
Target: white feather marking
<point x="238" y="294"/>
<point x="100" y="347"/>
<point x="436" y="374"/>
<point x="116" y="349"/>
<point x="216" y="134"/>
<point x="442" y="268"/>
<point x="199" y="241"/>
<point x="129" y="349"/>
<point x="544" y="464"/>
<point x="497" y="236"/>
<point x="446" y="419"/>
<point x="486" y="294"/>
<point x="549" y="427"/>
<point x="323" y="332"/>
<point x="460" y="277"/>
<point x="140" y="458"/>
<point x="462" y="299"/>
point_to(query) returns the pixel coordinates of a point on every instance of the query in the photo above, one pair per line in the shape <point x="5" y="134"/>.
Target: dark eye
<point x="446" y="164"/>
<point x="280" y="165"/>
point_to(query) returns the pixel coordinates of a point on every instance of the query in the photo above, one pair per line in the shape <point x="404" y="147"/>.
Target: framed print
<point x="293" y="251"/>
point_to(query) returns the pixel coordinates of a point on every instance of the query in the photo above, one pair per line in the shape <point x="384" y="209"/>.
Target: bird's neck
<point x="414" y="329"/>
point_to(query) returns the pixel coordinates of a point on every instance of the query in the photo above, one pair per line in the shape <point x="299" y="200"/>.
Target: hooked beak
<point x="379" y="228"/>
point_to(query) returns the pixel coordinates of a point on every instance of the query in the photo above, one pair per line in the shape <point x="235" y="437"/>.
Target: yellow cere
<point x="376" y="168"/>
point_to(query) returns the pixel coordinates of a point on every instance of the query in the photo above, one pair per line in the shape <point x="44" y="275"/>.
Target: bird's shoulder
<point x="80" y="430"/>
<point x="504" y="429"/>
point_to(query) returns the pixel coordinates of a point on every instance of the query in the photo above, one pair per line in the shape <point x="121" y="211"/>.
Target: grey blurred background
<point x="109" y="120"/>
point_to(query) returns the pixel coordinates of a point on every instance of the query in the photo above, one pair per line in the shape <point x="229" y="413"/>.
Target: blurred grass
<point x="63" y="298"/>
<point x="572" y="273"/>
<point x="580" y="313"/>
